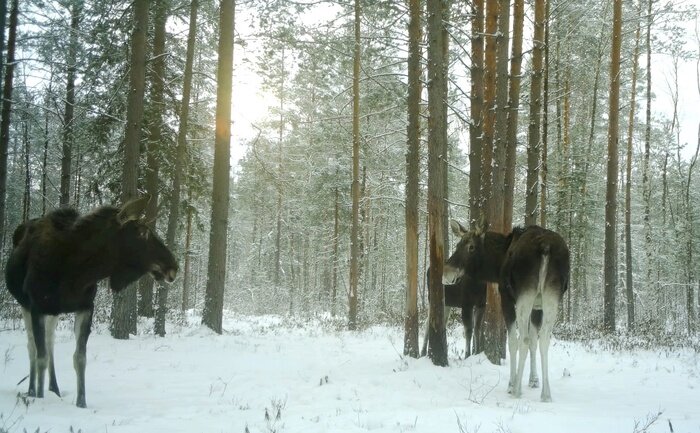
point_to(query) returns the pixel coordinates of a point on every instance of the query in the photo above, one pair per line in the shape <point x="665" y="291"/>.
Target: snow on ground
<point x="264" y="375"/>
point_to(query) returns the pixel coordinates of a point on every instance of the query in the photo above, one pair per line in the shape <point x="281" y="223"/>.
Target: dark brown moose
<point x="531" y="267"/>
<point x="469" y="296"/>
<point x="54" y="268"/>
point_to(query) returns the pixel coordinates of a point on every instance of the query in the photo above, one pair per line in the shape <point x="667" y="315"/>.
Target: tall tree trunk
<point x="278" y="237"/>
<point x="355" y="229"/>
<point x="513" y="108"/>
<point x="6" y="114"/>
<point x="162" y="9"/>
<point x="26" y="201"/>
<point x="476" y="110"/>
<point x="437" y="144"/>
<point x="216" y="274"/>
<point x="629" y="289"/>
<point x="533" y="138"/>
<point x="646" y="180"/>
<point x="336" y="233"/>
<point x="124" y="306"/>
<point x="610" y="254"/>
<point x="410" y="347"/>
<point x="68" y="118"/>
<point x="181" y="154"/>
<point x="45" y="159"/>
<point x="545" y="120"/>
<point x="187" y="271"/>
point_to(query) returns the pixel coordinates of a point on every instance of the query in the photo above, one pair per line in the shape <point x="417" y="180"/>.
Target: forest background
<point x="312" y="80"/>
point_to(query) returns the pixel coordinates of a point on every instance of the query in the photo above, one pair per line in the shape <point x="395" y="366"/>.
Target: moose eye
<point x="470" y="248"/>
<point x="143" y="232"/>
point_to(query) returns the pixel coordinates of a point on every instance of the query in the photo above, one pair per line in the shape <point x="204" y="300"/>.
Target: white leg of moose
<point x="550" y="308"/>
<point x="83" y="324"/>
<point x="513" y="351"/>
<point x="534" y="381"/>
<point x="523" y="308"/>
<point x="50" y="324"/>
<point x="31" y="348"/>
<point x="468" y="322"/>
<point x="42" y="361"/>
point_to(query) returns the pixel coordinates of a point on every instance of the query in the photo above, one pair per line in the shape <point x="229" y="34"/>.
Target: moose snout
<point x="451" y="274"/>
<point x="170" y="275"/>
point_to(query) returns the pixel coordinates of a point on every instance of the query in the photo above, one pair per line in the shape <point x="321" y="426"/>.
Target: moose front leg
<point x="39" y="331"/>
<point x="31" y="348"/>
<point x="83" y="325"/>
<point x="50" y="326"/>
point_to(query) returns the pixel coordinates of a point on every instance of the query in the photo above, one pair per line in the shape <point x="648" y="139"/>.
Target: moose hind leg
<point x="39" y="331"/>
<point x="83" y="324"/>
<point x="51" y="323"/>
<point x="535" y="324"/>
<point x="550" y="309"/>
<point x="31" y="348"/>
<point x="523" y="308"/>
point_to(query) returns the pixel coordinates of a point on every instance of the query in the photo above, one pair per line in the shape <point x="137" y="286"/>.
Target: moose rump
<point x="54" y="268"/>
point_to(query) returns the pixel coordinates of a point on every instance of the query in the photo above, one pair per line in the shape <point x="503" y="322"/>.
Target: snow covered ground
<point x="265" y="375"/>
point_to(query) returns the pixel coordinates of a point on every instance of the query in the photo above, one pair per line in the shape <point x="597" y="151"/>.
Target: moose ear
<point x="481" y="226"/>
<point x="457" y="228"/>
<point x="132" y="210"/>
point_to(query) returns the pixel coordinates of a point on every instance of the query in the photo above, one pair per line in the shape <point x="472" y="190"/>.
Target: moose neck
<point x="495" y="248"/>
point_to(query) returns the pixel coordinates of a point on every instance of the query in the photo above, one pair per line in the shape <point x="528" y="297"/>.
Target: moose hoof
<point x="81" y="403"/>
<point x="534" y="382"/>
<point x="55" y="390"/>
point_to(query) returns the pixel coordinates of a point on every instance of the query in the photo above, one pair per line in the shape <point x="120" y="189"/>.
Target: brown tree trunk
<point x="216" y="273"/>
<point x="6" y="114"/>
<point x="476" y="110"/>
<point x="629" y="289"/>
<point x="545" y="120"/>
<point x="513" y="108"/>
<point x="412" y="178"/>
<point x="162" y="8"/>
<point x="68" y="132"/>
<point x="181" y="153"/>
<point x="646" y="181"/>
<point x="187" y="271"/>
<point x="336" y="232"/>
<point x="355" y="229"/>
<point x="437" y="143"/>
<point x="610" y="253"/>
<point x="124" y="306"/>
<point x="533" y="146"/>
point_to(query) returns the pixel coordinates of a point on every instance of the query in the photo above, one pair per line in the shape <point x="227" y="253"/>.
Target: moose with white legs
<point x="470" y="296"/>
<point x="54" y="267"/>
<point x="531" y="267"/>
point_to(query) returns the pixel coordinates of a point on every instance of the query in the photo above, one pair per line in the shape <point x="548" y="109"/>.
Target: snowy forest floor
<point x="265" y="374"/>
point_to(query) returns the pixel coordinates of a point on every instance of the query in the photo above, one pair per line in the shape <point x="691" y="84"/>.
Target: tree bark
<point x="437" y="144"/>
<point x="610" y="253"/>
<point x="646" y="180"/>
<point x="629" y="289"/>
<point x="162" y="8"/>
<point x="533" y="139"/>
<point x="216" y="272"/>
<point x="412" y="178"/>
<point x="355" y="229"/>
<point x="6" y="114"/>
<point x="181" y="154"/>
<point x="476" y="111"/>
<point x="513" y="108"/>
<point x="68" y="130"/>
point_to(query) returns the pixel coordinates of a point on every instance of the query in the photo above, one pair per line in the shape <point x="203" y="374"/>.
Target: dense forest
<point x="359" y="129"/>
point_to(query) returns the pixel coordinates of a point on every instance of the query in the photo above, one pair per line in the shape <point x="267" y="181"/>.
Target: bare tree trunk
<point x="646" y="181"/>
<point x="278" y="237"/>
<point x="6" y="114"/>
<point x="610" y="254"/>
<point x="68" y="132"/>
<point x="629" y="289"/>
<point x="162" y="9"/>
<point x="355" y="229"/>
<point x="336" y="226"/>
<point x="437" y="139"/>
<point x="45" y="161"/>
<point x="26" y="201"/>
<point x="476" y="110"/>
<point x="412" y="179"/>
<point x="545" y="120"/>
<point x="533" y="146"/>
<point x="124" y="306"/>
<point x="181" y="155"/>
<point x="216" y="273"/>
<point x="513" y="107"/>
<point x="187" y="272"/>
